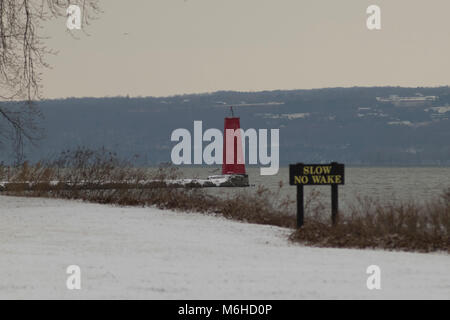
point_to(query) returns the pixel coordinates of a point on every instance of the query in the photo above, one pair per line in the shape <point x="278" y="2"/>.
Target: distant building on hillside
<point x="416" y="101"/>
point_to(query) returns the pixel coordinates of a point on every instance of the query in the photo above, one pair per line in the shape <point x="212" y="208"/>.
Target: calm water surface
<point x="385" y="184"/>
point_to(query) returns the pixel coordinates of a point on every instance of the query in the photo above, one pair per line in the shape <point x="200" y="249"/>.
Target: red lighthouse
<point x="233" y="158"/>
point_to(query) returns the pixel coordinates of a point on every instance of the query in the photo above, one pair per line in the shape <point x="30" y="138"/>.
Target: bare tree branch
<point x="22" y="53"/>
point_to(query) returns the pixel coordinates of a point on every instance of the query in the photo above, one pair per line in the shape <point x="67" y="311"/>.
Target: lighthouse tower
<point x="233" y="158"/>
<point x="233" y="166"/>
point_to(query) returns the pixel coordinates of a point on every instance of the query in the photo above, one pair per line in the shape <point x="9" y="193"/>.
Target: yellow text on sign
<point x="331" y="179"/>
<point x="312" y="170"/>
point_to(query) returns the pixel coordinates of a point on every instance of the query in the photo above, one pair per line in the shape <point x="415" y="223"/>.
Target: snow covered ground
<point x="149" y="253"/>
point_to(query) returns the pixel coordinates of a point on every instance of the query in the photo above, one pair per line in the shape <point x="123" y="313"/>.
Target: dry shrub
<point x="394" y="226"/>
<point x="3" y="172"/>
<point x="258" y="207"/>
<point x="99" y="176"/>
<point x="72" y="171"/>
<point x="446" y="196"/>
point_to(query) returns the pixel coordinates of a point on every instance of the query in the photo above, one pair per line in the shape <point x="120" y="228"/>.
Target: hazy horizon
<point x="238" y="91"/>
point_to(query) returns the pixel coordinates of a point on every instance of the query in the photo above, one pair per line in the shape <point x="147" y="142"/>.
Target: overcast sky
<point x="166" y="47"/>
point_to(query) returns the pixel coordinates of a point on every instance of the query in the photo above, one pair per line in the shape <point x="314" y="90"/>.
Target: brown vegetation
<point x="397" y="226"/>
<point x="369" y="224"/>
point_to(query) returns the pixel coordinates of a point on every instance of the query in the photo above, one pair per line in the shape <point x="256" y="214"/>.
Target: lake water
<point x="383" y="183"/>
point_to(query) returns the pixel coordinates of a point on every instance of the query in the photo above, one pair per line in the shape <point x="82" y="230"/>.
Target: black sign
<point x="316" y="174"/>
<point x="301" y="174"/>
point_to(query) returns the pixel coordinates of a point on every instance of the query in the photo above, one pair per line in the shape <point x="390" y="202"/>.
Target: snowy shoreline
<point x="147" y="253"/>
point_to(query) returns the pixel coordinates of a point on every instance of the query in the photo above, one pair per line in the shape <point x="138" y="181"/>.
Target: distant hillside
<point x="344" y="124"/>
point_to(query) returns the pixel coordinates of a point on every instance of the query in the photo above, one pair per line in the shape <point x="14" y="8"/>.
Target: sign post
<point x="317" y="175"/>
<point x="300" y="206"/>
<point x="334" y="203"/>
